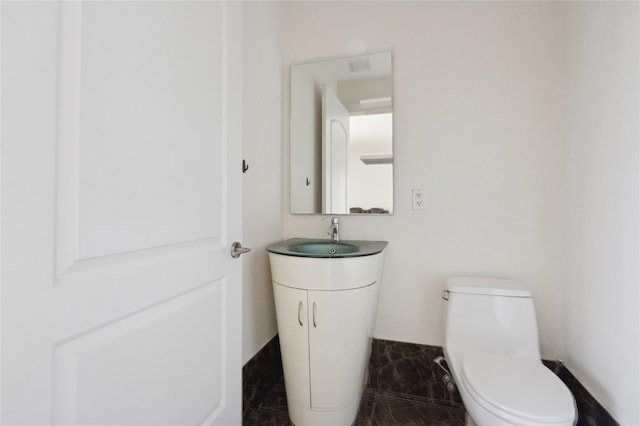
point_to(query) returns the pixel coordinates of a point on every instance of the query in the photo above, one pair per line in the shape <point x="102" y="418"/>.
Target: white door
<point x="335" y="152"/>
<point x="120" y="200"/>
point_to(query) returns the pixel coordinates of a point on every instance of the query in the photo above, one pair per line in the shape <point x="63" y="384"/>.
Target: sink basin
<point x="323" y="247"/>
<point x="306" y="247"/>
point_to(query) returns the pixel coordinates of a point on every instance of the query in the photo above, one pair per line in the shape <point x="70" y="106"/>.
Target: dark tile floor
<point x="378" y="408"/>
<point x="405" y="387"/>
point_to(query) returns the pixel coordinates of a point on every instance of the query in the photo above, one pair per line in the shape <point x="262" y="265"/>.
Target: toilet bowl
<point x="492" y="348"/>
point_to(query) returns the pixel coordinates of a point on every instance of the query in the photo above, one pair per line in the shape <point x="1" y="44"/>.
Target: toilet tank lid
<point x="487" y="286"/>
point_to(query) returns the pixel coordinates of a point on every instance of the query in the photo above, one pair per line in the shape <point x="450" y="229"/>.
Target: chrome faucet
<point x="334" y="231"/>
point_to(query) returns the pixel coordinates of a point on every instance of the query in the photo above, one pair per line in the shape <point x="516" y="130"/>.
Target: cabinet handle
<point x="314" y="314"/>
<point x="300" y="314"/>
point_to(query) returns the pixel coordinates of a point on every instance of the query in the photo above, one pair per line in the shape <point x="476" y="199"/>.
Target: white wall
<point x="370" y="185"/>
<point x="308" y="132"/>
<point x="602" y="213"/>
<point x="263" y="33"/>
<point x="310" y="79"/>
<point x="521" y="121"/>
<point x="478" y="116"/>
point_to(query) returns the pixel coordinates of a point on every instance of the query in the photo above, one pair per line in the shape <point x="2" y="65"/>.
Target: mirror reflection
<point x="342" y="135"/>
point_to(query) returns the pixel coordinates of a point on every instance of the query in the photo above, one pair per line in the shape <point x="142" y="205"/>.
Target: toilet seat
<point x="520" y="390"/>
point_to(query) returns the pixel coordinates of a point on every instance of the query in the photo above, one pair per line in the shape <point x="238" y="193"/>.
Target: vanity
<point x="326" y="295"/>
<point x="326" y="291"/>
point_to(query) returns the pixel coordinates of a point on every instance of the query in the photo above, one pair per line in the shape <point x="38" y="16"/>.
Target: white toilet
<point x="491" y="346"/>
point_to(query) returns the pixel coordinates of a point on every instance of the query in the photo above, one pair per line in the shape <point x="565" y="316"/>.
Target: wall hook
<point x="245" y="166"/>
<point x="308" y="182"/>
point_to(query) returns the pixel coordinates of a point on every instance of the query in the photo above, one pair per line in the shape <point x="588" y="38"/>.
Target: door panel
<point x="116" y="196"/>
<point x="91" y="365"/>
<point x="122" y="103"/>
<point x="341" y="335"/>
<point x="293" y="331"/>
<point x="120" y="301"/>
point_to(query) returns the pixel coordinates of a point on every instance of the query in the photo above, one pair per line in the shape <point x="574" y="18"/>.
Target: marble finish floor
<point x="405" y="387"/>
<point x="378" y="408"/>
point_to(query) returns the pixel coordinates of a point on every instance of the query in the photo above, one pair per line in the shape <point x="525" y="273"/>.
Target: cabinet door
<point x="340" y="326"/>
<point x="291" y="313"/>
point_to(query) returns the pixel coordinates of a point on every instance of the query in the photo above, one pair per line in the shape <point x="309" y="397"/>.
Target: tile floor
<point x="378" y="408"/>
<point x="405" y="388"/>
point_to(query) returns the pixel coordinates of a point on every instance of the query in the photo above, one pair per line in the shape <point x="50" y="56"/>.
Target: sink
<point x="326" y="296"/>
<point x="319" y="264"/>
<point x="323" y="248"/>
<point x="307" y="247"/>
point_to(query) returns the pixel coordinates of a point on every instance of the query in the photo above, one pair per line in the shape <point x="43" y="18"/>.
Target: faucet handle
<point x="333" y="230"/>
<point x="334" y="220"/>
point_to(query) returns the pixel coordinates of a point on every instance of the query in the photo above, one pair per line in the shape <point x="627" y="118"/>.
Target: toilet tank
<point x="489" y="315"/>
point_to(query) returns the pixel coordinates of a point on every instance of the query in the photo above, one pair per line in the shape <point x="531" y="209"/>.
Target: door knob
<point x="237" y="249"/>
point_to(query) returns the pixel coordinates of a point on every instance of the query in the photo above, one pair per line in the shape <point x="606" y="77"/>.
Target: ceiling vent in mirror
<point x="359" y="66"/>
<point x="376" y="159"/>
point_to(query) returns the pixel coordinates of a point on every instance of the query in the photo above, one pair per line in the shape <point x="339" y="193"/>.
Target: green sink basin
<point x="323" y="248"/>
<point x="311" y="247"/>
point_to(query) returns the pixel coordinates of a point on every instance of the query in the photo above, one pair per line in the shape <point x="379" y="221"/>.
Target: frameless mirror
<point x="342" y="135"/>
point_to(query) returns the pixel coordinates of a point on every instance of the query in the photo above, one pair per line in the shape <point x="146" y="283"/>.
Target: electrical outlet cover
<point x="417" y="199"/>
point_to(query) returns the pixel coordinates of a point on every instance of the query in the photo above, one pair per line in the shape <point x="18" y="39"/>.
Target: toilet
<point x="491" y="346"/>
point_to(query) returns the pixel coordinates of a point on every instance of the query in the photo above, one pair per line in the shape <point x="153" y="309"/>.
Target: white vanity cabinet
<point x="323" y="335"/>
<point x="326" y="311"/>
